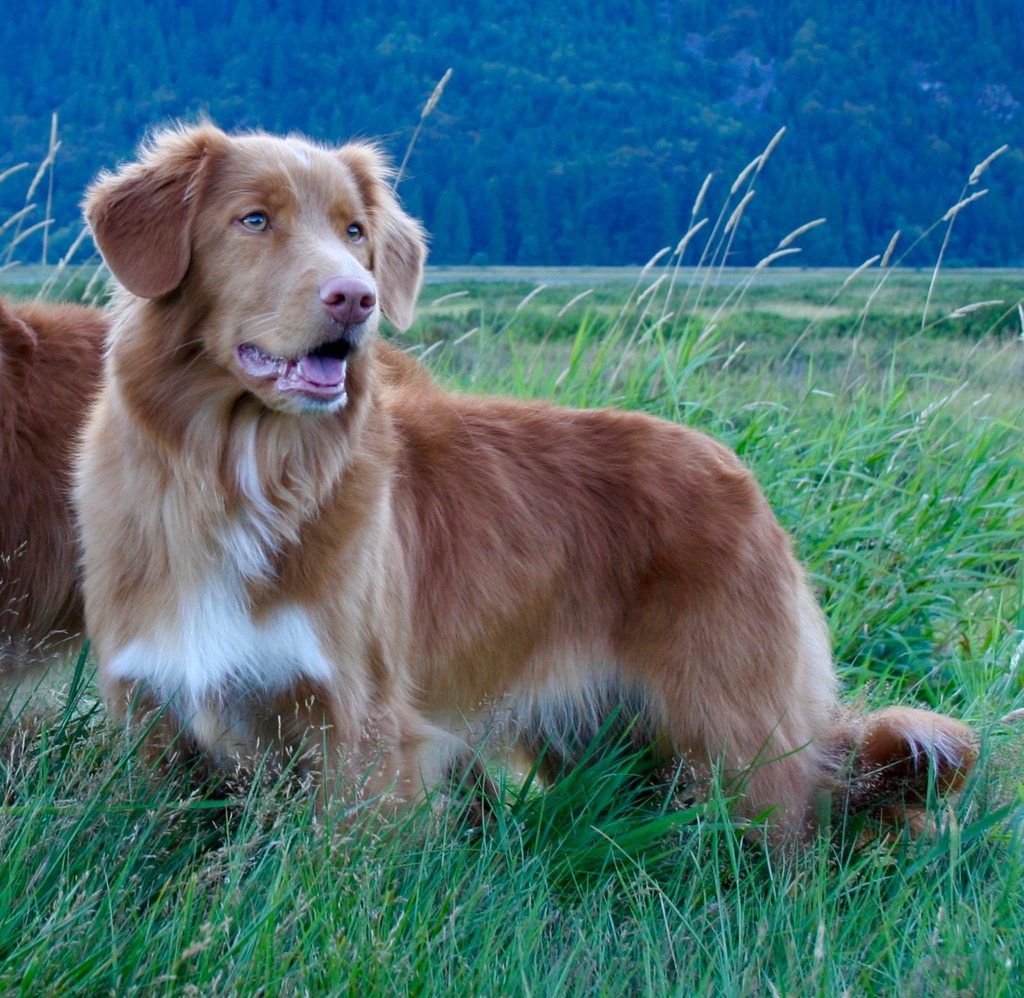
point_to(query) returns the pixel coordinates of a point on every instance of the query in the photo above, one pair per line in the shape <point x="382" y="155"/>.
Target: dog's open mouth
<point x="319" y="373"/>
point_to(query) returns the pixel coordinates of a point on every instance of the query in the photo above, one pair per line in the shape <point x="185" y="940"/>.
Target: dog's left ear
<point x="18" y="341"/>
<point x="397" y="241"/>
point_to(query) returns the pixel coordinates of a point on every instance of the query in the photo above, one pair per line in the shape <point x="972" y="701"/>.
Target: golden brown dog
<point x="50" y="360"/>
<point x="292" y="536"/>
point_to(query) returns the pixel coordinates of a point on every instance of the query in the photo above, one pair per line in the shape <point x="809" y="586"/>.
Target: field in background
<point x="895" y="457"/>
<point x="779" y="323"/>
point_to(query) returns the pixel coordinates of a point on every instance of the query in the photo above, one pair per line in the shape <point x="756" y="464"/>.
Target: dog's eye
<point x="355" y="232"/>
<point x="256" y="221"/>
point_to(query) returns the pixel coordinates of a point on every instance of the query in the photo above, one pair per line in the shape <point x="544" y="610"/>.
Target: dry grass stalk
<point x="45" y="165"/>
<point x="16" y="217"/>
<point x="96" y="284"/>
<point x="681" y="247"/>
<point x="465" y="336"/>
<point x="25" y="233"/>
<point x="428" y="109"/>
<point x="799" y="231"/>
<point x="62" y="264"/>
<point x="960" y="205"/>
<point x="776" y="255"/>
<point x="573" y="301"/>
<point x="654" y="260"/>
<point x="963" y="310"/>
<point x="744" y="173"/>
<point x="701" y="194"/>
<point x="52" y="157"/>
<point x="985" y="164"/>
<point x="533" y="294"/>
<point x="11" y="170"/>
<point x="857" y="271"/>
<point x="446" y="298"/>
<point x="685" y="241"/>
<point x="806" y="331"/>
<point x="737" y="214"/>
<point x="651" y="288"/>
<point x="889" y="250"/>
<point x="770" y="148"/>
<point x="950" y="219"/>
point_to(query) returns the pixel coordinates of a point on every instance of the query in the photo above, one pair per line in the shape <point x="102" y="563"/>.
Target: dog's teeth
<point x="257" y="362"/>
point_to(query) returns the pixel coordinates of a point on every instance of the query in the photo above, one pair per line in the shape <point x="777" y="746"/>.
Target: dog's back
<point x="50" y="361"/>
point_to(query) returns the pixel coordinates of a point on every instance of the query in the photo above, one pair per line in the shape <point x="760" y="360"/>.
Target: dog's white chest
<point x="211" y="646"/>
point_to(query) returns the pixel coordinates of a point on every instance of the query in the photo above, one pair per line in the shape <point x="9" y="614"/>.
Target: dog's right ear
<point x="141" y="216"/>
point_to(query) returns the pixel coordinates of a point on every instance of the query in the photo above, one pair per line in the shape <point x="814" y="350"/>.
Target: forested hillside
<point x="571" y="131"/>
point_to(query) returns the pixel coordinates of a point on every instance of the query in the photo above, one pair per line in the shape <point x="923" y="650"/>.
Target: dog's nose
<point x="348" y="300"/>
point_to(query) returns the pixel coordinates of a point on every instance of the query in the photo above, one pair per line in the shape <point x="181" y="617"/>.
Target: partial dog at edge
<point x="292" y="535"/>
<point x="50" y="361"/>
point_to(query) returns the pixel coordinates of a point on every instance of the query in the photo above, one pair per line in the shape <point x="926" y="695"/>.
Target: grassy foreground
<point x="896" y="459"/>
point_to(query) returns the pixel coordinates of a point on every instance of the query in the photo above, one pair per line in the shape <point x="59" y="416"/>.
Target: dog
<point x="50" y="362"/>
<point x="293" y="537"/>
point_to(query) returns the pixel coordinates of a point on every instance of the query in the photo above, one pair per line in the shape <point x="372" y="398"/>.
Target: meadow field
<point x="885" y="422"/>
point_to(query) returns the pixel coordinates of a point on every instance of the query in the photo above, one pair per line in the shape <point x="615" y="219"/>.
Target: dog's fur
<point x="50" y="361"/>
<point x="382" y="570"/>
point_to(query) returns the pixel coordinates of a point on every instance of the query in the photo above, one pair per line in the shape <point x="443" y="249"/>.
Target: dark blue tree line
<point x="575" y="132"/>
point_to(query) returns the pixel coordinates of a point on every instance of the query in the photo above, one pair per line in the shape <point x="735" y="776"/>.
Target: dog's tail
<point x="887" y="763"/>
<point x="17" y="340"/>
<point x="882" y="765"/>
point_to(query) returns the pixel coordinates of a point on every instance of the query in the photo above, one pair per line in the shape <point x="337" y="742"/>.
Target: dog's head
<point x="288" y="252"/>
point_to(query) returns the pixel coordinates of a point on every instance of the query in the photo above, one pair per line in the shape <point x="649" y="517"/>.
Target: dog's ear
<point x="18" y="342"/>
<point x="397" y="241"/>
<point x="17" y="337"/>
<point x="141" y="216"/>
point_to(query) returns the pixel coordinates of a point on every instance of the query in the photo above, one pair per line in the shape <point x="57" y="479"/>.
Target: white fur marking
<point x="251" y="539"/>
<point x="249" y="478"/>
<point x="213" y="647"/>
<point x="246" y="543"/>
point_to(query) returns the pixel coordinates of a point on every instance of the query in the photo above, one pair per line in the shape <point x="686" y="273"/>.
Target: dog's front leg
<point x="400" y="758"/>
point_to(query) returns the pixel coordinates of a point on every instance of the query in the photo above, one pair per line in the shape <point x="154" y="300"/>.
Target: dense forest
<point x="576" y="131"/>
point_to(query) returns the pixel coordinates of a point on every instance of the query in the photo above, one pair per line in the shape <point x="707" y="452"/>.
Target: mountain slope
<point x="573" y="133"/>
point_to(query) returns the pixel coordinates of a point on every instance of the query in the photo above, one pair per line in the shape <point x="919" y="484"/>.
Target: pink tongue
<point x="323" y="371"/>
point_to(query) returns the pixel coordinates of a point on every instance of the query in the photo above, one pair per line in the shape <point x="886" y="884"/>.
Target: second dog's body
<point x="50" y="360"/>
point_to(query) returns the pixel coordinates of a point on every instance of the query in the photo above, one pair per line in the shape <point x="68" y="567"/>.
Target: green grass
<point x="895" y="459"/>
